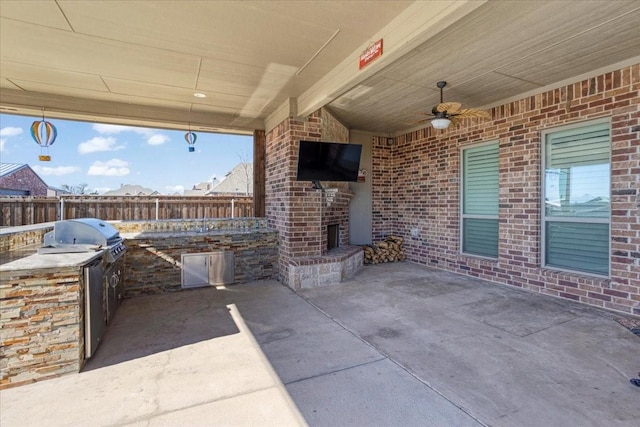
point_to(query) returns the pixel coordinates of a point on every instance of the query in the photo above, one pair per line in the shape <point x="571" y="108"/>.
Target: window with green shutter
<point x="479" y="234"/>
<point x="576" y="211"/>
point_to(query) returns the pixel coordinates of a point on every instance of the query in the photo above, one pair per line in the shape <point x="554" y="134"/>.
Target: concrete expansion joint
<point x="387" y="357"/>
<point x="337" y="322"/>
<point x="158" y="413"/>
<point x="347" y="368"/>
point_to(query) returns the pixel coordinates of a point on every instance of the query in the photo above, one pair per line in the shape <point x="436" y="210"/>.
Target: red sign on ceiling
<point x="370" y="54"/>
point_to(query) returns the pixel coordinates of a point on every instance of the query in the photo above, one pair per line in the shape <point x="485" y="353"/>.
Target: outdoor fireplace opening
<point x="333" y="236"/>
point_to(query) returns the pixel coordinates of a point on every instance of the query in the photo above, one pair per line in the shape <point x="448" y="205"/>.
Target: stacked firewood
<point x="389" y="250"/>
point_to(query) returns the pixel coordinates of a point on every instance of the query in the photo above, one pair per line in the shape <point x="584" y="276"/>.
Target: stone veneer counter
<point x="153" y="261"/>
<point x="42" y="322"/>
<point x="50" y="261"/>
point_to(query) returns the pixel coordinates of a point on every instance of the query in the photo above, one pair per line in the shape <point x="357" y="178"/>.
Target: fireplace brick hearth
<point x="336" y="266"/>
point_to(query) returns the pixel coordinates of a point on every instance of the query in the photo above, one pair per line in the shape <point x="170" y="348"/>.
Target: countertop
<point x="45" y="261"/>
<point x="192" y="233"/>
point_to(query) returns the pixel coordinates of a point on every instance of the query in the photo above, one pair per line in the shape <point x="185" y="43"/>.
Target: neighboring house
<point x="237" y="182"/>
<point x="200" y="189"/>
<point x="55" y="192"/>
<point x="17" y="179"/>
<point x="132" y="190"/>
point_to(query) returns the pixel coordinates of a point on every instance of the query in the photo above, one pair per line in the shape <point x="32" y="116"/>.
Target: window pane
<point x="581" y="191"/>
<point x="577" y="177"/>
<point x="480" y="177"/>
<point x="480" y="237"/>
<point x="578" y="246"/>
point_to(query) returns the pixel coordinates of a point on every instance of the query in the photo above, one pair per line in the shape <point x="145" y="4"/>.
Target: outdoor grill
<point x="103" y="278"/>
<point x="84" y="235"/>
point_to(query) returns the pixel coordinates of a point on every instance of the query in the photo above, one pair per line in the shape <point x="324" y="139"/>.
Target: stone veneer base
<point x="330" y="269"/>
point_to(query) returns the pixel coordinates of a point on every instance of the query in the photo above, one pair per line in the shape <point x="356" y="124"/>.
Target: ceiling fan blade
<point x="455" y="121"/>
<point x="448" y="107"/>
<point x="472" y="113"/>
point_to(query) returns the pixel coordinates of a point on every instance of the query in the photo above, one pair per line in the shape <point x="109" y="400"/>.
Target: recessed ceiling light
<point x="199" y="95"/>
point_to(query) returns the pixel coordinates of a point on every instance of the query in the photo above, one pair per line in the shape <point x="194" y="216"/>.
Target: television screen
<point x="328" y="161"/>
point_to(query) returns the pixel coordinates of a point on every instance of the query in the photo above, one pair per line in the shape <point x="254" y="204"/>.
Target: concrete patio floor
<point x="399" y="345"/>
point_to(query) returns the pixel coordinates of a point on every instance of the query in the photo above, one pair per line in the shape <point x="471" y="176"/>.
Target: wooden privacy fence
<point x="18" y="210"/>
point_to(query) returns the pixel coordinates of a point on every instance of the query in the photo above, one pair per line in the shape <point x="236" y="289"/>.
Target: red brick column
<point x="292" y="207"/>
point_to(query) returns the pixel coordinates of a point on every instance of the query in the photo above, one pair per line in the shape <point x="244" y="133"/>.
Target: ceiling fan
<point x="447" y="113"/>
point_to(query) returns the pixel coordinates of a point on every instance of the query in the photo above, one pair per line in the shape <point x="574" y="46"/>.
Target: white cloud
<point x="157" y="139"/>
<point x="116" y="129"/>
<point x="174" y="189"/>
<point x="57" y="171"/>
<point x="7" y="132"/>
<point x="113" y="167"/>
<point x="10" y="131"/>
<point x="99" y="143"/>
<point x="152" y="136"/>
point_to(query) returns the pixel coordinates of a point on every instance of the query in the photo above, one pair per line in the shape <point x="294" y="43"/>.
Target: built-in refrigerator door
<point x="94" y="316"/>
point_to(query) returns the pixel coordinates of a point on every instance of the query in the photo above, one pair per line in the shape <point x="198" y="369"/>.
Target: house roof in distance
<point x="238" y="181"/>
<point x="131" y="190"/>
<point x="9" y="168"/>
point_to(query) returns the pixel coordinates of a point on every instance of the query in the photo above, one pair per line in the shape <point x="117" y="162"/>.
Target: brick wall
<point x="383" y="184"/>
<point x="295" y="209"/>
<point x="24" y="179"/>
<point x="335" y="210"/>
<point x="416" y="186"/>
<point x="332" y="129"/>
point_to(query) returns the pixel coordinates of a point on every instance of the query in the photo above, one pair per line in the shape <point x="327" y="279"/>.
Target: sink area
<point x="16" y="254"/>
<point x="23" y="241"/>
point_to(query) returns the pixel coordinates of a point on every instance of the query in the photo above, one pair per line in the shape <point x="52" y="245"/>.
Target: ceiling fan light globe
<point x="440" y="123"/>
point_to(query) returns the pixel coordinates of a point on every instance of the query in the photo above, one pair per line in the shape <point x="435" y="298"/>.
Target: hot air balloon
<point x="44" y="134"/>
<point x="191" y="137"/>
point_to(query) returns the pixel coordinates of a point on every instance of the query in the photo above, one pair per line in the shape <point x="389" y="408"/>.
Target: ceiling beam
<point x="415" y="25"/>
<point x="69" y="108"/>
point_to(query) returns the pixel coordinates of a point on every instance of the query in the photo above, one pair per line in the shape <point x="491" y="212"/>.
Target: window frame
<point x="584" y="220"/>
<point x="464" y="216"/>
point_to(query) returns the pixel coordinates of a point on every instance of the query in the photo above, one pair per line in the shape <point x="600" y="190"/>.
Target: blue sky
<point x="106" y="156"/>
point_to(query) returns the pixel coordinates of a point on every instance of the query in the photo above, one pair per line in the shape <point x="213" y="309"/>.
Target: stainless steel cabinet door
<point x="195" y="270"/>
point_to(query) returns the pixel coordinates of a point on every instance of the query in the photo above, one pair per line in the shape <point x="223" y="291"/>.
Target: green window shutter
<point x="480" y="182"/>
<point x="480" y="237"/>
<point x="584" y="146"/>
<point x="577" y="199"/>
<point x="578" y="246"/>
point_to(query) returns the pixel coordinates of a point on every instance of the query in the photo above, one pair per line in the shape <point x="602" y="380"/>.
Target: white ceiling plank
<point x="413" y="26"/>
<point x="54" y="77"/>
<point x="43" y="12"/>
<point x="86" y="58"/>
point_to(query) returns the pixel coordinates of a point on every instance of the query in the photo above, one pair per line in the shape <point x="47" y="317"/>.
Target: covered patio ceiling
<point x="257" y="62"/>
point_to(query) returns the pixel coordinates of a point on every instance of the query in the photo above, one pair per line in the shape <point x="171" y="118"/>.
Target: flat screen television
<point x="328" y="161"/>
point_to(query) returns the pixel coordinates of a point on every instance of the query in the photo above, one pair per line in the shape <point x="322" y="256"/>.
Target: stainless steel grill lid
<point x="84" y="235"/>
<point x="82" y="231"/>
